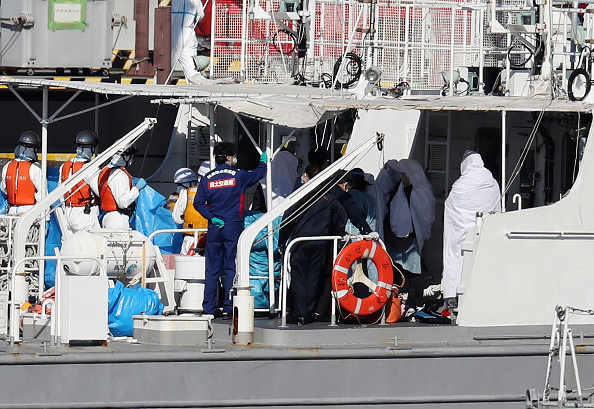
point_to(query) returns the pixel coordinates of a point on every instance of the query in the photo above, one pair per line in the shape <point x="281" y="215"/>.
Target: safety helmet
<point x="204" y="168"/>
<point x="30" y="139"/>
<point x="184" y="175"/>
<point x="87" y="139"/>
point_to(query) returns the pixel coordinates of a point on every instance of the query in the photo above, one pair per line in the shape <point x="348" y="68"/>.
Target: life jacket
<point x="19" y="186"/>
<point x="192" y="218"/>
<point x="81" y="194"/>
<point x="108" y="202"/>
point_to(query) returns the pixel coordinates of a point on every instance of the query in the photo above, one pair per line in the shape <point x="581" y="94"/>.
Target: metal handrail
<point x="286" y="269"/>
<point x="196" y="231"/>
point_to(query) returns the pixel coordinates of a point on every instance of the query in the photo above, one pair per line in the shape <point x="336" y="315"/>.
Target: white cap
<point x="204" y="168"/>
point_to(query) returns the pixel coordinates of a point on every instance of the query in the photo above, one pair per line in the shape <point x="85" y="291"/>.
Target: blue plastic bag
<point x="53" y="238"/>
<point x="126" y="302"/>
<point x="259" y="260"/>
<point x="151" y="215"/>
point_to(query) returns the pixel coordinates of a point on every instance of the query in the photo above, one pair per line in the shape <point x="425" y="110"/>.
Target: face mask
<point x="234" y="161"/>
<point x="304" y="178"/>
<point x="25" y="152"/>
<point x="129" y="160"/>
<point x="85" y="153"/>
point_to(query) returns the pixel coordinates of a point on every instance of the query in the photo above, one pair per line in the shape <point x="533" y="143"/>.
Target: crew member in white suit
<point x="81" y="205"/>
<point x="475" y="191"/>
<point x="117" y="192"/>
<point x="185" y="14"/>
<point x="22" y="177"/>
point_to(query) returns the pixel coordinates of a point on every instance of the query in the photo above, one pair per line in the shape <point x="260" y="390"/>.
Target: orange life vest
<point x="192" y="218"/>
<point x="108" y="202"/>
<point x="19" y="186"/>
<point x="81" y="194"/>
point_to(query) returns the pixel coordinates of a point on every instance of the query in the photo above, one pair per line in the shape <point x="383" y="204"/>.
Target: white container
<point x="190" y="280"/>
<point x="172" y="330"/>
<point x="190" y="267"/>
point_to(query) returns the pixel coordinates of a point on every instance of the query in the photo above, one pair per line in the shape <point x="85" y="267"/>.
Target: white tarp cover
<point x="285" y="113"/>
<point x="475" y="191"/>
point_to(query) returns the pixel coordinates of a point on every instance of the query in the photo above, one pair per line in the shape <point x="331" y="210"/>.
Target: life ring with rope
<point x="342" y="288"/>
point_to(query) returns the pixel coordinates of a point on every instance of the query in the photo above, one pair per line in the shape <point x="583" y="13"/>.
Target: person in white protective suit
<point x="185" y="14"/>
<point x="283" y="169"/>
<point x="475" y="191"/>
<point x="117" y="193"/>
<point x="406" y="212"/>
<point x="22" y="177"/>
<point x="183" y="210"/>
<point x="81" y="204"/>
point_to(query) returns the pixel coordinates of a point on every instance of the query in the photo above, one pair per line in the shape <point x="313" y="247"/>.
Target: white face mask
<point x="234" y="161"/>
<point x="304" y="178"/>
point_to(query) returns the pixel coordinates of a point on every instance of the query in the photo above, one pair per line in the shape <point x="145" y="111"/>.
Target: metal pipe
<point x="44" y="123"/>
<point x="271" y="292"/>
<point x="518" y="198"/>
<point x="292" y="402"/>
<point x="53" y="314"/>
<point x="286" y="264"/>
<point x="503" y="140"/>
<point x="452" y="37"/>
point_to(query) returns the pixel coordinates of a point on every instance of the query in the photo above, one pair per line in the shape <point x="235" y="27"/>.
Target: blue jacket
<point x="221" y="192"/>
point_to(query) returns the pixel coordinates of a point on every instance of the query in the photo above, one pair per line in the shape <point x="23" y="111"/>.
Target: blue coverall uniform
<point x="221" y="194"/>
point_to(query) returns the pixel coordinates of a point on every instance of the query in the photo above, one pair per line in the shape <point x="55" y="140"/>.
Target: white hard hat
<point x="184" y="175"/>
<point x="204" y="168"/>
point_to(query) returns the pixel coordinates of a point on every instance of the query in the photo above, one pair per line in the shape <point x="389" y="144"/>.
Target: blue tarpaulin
<point x="151" y="215"/>
<point x="126" y="302"/>
<point x="259" y="260"/>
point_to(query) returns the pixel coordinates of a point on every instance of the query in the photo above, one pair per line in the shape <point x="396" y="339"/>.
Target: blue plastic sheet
<point x="151" y="215"/>
<point x="126" y="302"/>
<point x="53" y="238"/>
<point x="259" y="260"/>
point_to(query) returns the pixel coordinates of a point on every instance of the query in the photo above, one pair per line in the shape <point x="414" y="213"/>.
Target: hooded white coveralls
<point x="36" y="177"/>
<point x="76" y="218"/>
<point x="185" y="14"/>
<point x="124" y="196"/>
<point x="475" y="191"/>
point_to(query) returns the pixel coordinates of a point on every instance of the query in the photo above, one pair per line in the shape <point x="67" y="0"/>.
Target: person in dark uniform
<point x="308" y="259"/>
<point x="220" y="199"/>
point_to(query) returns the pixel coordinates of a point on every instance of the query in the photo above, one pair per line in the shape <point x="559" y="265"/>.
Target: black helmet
<point x="86" y="139"/>
<point x="30" y="139"/>
<point x="130" y="151"/>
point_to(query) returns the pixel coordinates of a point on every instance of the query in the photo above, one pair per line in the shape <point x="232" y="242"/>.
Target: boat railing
<point x="287" y="269"/>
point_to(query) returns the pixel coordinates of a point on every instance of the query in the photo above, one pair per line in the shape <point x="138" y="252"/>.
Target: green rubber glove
<point x="264" y="157"/>
<point x="217" y="222"/>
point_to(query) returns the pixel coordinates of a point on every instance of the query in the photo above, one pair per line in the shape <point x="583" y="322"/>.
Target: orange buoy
<point x="343" y="290"/>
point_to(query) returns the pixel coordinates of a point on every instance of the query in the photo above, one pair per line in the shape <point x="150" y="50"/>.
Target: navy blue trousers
<point x="221" y="248"/>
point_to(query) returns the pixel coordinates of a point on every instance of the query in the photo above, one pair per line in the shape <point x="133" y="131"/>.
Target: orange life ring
<point x="344" y="292"/>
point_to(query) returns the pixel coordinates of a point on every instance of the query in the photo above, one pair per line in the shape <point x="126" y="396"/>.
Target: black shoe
<point x="308" y="319"/>
<point x="227" y="316"/>
<point x="322" y="317"/>
<point x="293" y="320"/>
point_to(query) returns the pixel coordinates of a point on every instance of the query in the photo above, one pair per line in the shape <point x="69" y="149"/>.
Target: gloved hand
<point x="432" y="290"/>
<point x="217" y="222"/>
<point x="374" y="235"/>
<point x="140" y="183"/>
<point x="264" y="157"/>
<point x="346" y="237"/>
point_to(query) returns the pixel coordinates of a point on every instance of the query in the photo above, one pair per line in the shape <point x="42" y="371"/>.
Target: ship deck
<point x="311" y="366"/>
